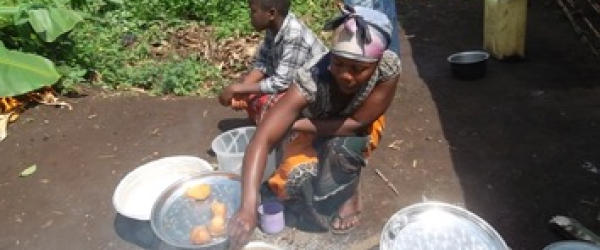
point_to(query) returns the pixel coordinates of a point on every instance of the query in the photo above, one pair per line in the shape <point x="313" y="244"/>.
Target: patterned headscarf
<point x="360" y="33"/>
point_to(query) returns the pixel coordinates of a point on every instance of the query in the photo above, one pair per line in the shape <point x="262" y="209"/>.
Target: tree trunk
<point x="504" y="28"/>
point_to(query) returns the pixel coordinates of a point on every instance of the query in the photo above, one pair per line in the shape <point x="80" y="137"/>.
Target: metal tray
<point x="438" y="226"/>
<point x="174" y="214"/>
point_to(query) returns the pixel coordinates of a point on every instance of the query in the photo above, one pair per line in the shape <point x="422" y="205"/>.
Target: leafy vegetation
<point x="30" y="27"/>
<point x="132" y="44"/>
<point x="24" y="72"/>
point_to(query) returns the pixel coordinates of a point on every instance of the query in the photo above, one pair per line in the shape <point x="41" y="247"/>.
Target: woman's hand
<point x="241" y="226"/>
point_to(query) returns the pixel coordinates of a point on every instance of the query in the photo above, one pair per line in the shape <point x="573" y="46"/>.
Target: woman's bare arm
<point x="372" y="108"/>
<point x="271" y="130"/>
<point x="377" y="102"/>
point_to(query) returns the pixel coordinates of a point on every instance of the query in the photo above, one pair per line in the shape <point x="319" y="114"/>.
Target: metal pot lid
<point x="439" y="226"/>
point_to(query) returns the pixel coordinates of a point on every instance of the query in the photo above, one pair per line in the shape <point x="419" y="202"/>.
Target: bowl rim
<point x="262" y="244"/>
<point x="571" y="243"/>
<point x="216" y="139"/>
<point x="485" y="55"/>
<point x="129" y="178"/>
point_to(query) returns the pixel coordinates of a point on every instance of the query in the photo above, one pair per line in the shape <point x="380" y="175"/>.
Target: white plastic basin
<point x="137" y="192"/>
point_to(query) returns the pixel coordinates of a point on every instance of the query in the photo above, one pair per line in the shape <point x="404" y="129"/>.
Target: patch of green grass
<point x="121" y="53"/>
<point x="314" y="12"/>
<point x="187" y="76"/>
<point x="229" y="17"/>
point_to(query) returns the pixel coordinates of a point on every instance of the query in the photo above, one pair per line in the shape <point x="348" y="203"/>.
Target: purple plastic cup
<point x="272" y="220"/>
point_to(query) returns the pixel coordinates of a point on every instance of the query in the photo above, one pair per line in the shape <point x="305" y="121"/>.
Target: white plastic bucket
<point x="230" y="147"/>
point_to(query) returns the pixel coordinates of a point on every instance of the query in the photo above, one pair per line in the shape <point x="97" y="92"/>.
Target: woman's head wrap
<point x="360" y="33"/>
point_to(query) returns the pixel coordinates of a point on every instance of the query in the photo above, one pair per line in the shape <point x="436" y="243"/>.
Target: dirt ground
<point x="516" y="148"/>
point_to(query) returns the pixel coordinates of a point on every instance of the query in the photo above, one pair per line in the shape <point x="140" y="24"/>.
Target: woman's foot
<point x="347" y="217"/>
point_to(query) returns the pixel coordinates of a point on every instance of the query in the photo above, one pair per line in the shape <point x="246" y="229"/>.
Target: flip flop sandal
<point x="341" y="219"/>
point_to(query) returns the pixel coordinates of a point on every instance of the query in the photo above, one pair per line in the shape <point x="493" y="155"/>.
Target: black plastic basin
<point x="469" y="65"/>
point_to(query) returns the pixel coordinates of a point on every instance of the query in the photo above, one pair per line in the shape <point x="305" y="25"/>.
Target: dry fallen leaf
<point x="28" y="171"/>
<point x="396" y="144"/>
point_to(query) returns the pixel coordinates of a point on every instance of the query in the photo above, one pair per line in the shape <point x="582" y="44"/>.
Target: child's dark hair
<point x="282" y="6"/>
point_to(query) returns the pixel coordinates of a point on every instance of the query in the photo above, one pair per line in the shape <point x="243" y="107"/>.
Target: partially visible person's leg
<point x="388" y="7"/>
<point x="325" y="173"/>
<point x="333" y="192"/>
<point x="297" y="167"/>
<point x="364" y="3"/>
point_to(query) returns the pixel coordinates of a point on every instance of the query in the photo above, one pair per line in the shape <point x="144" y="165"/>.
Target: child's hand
<point x="239" y="102"/>
<point x="227" y="95"/>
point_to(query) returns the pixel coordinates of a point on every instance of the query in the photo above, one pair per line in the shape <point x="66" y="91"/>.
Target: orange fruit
<point x="200" y="235"/>
<point x="239" y="103"/>
<point x="217" y="226"/>
<point x="219" y="209"/>
<point x="198" y="192"/>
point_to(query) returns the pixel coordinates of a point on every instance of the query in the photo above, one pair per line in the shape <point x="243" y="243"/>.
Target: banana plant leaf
<point x="50" y="23"/>
<point x="22" y="72"/>
<point x="6" y="15"/>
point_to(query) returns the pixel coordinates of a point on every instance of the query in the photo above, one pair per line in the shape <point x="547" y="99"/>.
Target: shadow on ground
<point x="233" y="123"/>
<point x="525" y="140"/>
<point x="136" y="232"/>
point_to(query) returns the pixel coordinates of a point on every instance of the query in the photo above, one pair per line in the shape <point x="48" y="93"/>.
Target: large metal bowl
<point x="439" y="226"/>
<point x="174" y="215"/>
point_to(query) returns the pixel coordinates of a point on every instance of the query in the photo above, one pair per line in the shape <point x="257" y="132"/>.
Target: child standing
<point x="287" y="45"/>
